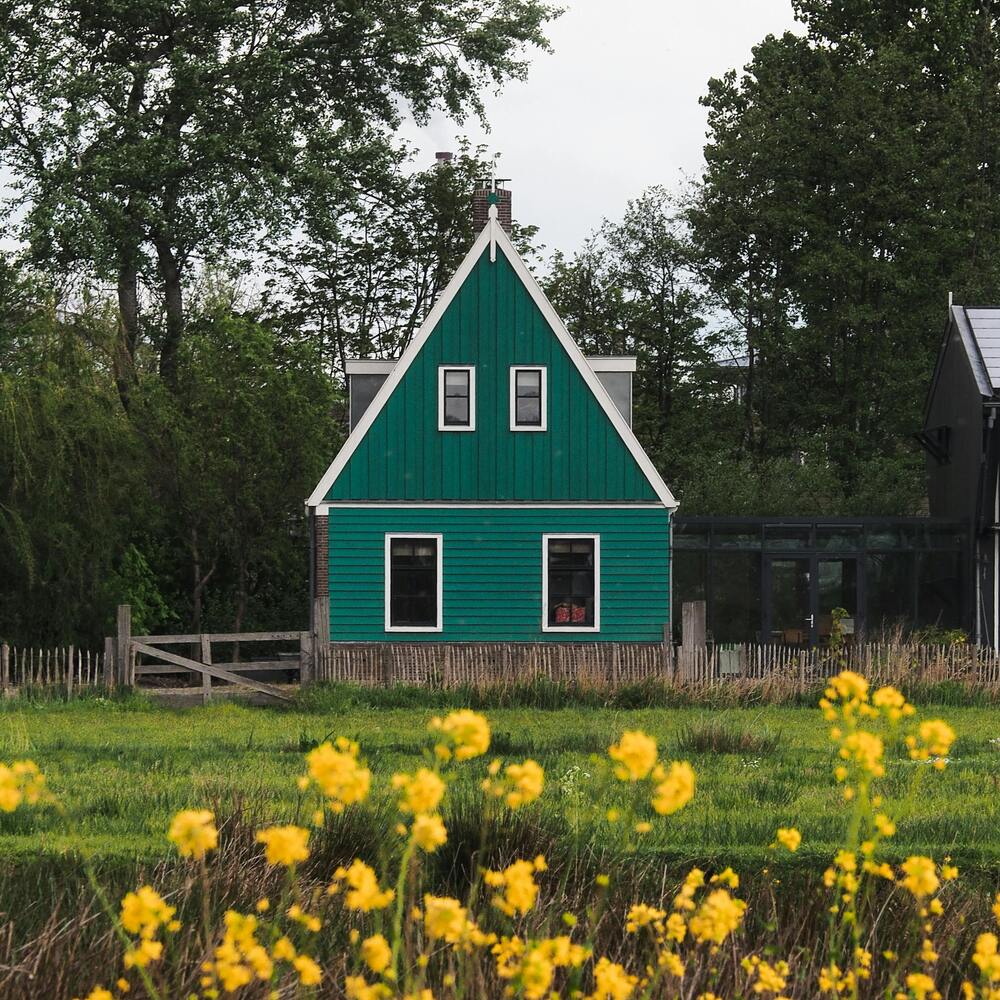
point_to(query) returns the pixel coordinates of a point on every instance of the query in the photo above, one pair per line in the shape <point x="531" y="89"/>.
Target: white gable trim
<point x="493" y="235"/>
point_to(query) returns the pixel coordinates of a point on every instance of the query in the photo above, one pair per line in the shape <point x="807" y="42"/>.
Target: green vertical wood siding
<point x="492" y="571"/>
<point x="492" y="323"/>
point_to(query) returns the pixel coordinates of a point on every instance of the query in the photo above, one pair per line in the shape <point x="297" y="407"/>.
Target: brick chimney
<point x="481" y="200"/>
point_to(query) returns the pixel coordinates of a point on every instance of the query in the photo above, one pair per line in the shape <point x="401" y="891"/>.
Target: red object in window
<point x="562" y="614"/>
<point x="579" y="615"/>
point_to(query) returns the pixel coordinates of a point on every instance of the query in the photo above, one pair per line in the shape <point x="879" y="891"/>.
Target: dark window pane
<point x="784" y="536"/>
<point x="734" y="605"/>
<point x="690" y="536"/>
<point x="413" y="582"/>
<point x="529" y="411"/>
<point x="571" y="582"/>
<point x="838" y="537"/>
<point x="736" y="536"/>
<point x="939" y="590"/>
<point x="889" y="586"/>
<point x="529" y="383"/>
<point x="456" y="411"/>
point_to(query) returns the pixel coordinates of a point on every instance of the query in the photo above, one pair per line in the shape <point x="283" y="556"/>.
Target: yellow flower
<point x="849" y="686"/>
<point x="892" y="703"/>
<point x="283" y="950"/>
<point x="21" y="782"/>
<point x="444" y="918"/>
<point x="641" y="915"/>
<point x="355" y="988"/>
<point x="864" y="749"/>
<point x="376" y="952"/>
<point x="468" y="735"/>
<point x="428" y="833"/>
<point x="921" y="877"/>
<point x="338" y="774"/>
<point x="789" y="837"/>
<point x="884" y="825"/>
<point x="920" y="985"/>
<point x="145" y="911"/>
<point x="517" y="881"/>
<point x="194" y="832"/>
<point x="611" y="981"/>
<point x="635" y="754"/>
<point x="674" y="789"/>
<point x="98" y="993"/>
<point x="986" y="957"/>
<point x="284" y="845"/>
<point x="143" y="953"/>
<point x="422" y="792"/>
<point x="521" y="785"/>
<point x="363" y="893"/>
<point x="310" y="974"/>
<point x="717" y="917"/>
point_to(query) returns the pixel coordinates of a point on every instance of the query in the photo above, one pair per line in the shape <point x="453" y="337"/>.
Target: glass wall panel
<point x="734" y="605"/>
<point x="787" y="536"/>
<point x="838" y="537"/>
<point x="690" y="577"/>
<point x="890" y="591"/>
<point x="736" y="536"/>
<point x="939" y="590"/>
<point x="690" y="536"/>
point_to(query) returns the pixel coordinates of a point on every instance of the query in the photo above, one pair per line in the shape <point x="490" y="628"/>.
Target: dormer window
<point x="456" y="398"/>
<point x="528" y="398"/>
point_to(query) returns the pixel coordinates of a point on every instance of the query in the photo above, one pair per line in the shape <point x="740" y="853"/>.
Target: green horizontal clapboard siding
<point x="492" y="323"/>
<point x="492" y="571"/>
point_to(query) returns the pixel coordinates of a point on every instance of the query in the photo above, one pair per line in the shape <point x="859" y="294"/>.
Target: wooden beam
<point x="123" y="656"/>
<point x="181" y="640"/>
<point x="244" y="666"/>
<point x="204" y="668"/>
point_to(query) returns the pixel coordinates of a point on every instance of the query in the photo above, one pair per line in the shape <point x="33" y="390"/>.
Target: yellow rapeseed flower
<point x="355" y="988"/>
<point x="717" y="917"/>
<point x="144" y="911"/>
<point x="444" y="918"/>
<point x="789" y="837"/>
<point x="611" y="981"/>
<point x="468" y="735"/>
<point x="521" y="784"/>
<point x="920" y="876"/>
<point x="363" y="892"/>
<point x="310" y="973"/>
<point x="674" y="787"/>
<point x="21" y="782"/>
<point x="986" y="957"/>
<point x="428" y="832"/>
<point x="376" y="952"/>
<point x="98" y="993"/>
<point x="338" y="774"/>
<point x="194" y="833"/>
<point x="284" y="845"/>
<point x="422" y="791"/>
<point x="518" y="884"/>
<point x="634" y="754"/>
<point x="921" y="985"/>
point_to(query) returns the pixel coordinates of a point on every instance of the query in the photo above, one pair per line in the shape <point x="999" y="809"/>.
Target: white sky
<point x="614" y="109"/>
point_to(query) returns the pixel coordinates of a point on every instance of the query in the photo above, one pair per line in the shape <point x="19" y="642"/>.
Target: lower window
<point x="413" y="583"/>
<point x="571" y="583"/>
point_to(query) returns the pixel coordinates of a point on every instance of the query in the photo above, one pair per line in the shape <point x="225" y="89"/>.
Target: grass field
<point x="123" y="768"/>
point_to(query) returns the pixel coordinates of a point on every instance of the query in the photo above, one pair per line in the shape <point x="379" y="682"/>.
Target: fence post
<point x="4" y="668"/>
<point x="668" y="651"/>
<point x="320" y="638"/>
<point x="692" y="634"/>
<point x="205" y="655"/>
<point x="70" y="663"/>
<point x="123" y="646"/>
<point x="305" y="658"/>
<point x="387" y="665"/>
<point x="109" y="662"/>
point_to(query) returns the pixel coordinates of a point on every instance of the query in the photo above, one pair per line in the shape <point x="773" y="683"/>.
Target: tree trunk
<point x="128" y="325"/>
<point x="173" y="301"/>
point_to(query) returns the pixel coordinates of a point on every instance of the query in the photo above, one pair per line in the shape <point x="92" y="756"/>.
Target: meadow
<point x="122" y="768"/>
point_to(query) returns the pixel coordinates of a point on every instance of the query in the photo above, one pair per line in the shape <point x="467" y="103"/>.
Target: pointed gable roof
<point x="493" y="239"/>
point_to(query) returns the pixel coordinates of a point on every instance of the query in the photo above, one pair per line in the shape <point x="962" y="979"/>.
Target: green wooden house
<point x="491" y="488"/>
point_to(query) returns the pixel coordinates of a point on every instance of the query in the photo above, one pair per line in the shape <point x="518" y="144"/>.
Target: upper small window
<point x="528" y="403"/>
<point x="456" y="398"/>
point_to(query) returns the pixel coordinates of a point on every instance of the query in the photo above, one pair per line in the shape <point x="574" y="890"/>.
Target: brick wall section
<point x="481" y="208"/>
<point x="322" y="543"/>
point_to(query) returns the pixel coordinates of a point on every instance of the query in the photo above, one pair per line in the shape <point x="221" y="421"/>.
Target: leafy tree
<point x="632" y="290"/>
<point x="363" y="273"/>
<point x="148" y="137"/>
<point x="851" y="182"/>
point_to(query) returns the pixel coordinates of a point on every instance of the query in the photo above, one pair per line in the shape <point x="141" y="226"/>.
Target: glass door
<point x="789" y="609"/>
<point x="837" y="587"/>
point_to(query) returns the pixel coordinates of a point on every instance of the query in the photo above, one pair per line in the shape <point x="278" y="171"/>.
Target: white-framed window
<point x="528" y="398"/>
<point x="571" y="583"/>
<point x="413" y="582"/>
<point x="456" y="398"/>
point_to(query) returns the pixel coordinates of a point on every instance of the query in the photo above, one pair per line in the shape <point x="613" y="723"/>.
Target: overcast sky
<point x="614" y="109"/>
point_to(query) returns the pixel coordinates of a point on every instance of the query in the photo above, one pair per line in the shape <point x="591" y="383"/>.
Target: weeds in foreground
<point x="520" y="926"/>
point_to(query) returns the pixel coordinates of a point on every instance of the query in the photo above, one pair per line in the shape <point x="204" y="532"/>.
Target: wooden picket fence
<point x="435" y="664"/>
<point x="63" y="667"/>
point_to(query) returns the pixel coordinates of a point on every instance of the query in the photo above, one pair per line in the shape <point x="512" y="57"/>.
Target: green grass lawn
<point x="123" y="768"/>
